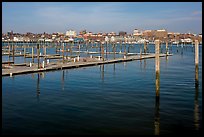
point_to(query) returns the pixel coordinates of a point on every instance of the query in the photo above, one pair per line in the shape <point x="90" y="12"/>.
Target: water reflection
<point x="32" y="75"/>
<point x="145" y="64"/>
<point x="196" y="105"/>
<point x="102" y="72"/>
<point x="125" y="65"/>
<point x="157" y="104"/>
<point x="38" y="85"/>
<point x="113" y="69"/>
<point x="63" y="80"/>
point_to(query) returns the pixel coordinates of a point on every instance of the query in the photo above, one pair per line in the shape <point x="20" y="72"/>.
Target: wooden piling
<point x="79" y="50"/>
<point x="32" y="55"/>
<point x="157" y="62"/>
<point x="66" y="47"/>
<point x="72" y="43"/>
<point x="9" y="49"/>
<point x="24" y="50"/>
<point x="13" y="51"/>
<point x="157" y="66"/>
<point x="166" y="47"/>
<point x="121" y="46"/>
<point x="145" y="47"/>
<point x="106" y="49"/>
<point x="38" y="52"/>
<point x="56" y="48"/>
<point x="196" y="52"/>
<point x="102" y="52"/>
<point x="100" y="49"/>
<point x="140" y="51"/>
<point x="114" y="50"/>
<point x="125" y="50"/>
<point x="63" y="51"/>
<point x="45" y="59"/>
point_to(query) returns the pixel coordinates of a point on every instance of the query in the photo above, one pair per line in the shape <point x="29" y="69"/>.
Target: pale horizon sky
<point x="39" y="17"/>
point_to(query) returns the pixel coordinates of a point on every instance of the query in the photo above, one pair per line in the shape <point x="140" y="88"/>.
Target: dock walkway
<point x="18" y="69"/>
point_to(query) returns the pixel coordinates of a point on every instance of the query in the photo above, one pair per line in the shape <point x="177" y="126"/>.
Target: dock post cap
<point x="11" y="74"/>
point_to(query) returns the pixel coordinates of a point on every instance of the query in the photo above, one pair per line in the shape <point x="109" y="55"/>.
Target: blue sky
<point x="39" y="17"/>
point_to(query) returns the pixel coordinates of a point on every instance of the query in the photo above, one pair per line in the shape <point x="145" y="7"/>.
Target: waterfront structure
<point x="71" y="33"/>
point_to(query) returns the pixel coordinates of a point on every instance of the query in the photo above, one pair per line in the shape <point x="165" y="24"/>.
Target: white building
<point x="71" y="33"/>
<point x="200" y="35"/>
<point x="136" y="32"/>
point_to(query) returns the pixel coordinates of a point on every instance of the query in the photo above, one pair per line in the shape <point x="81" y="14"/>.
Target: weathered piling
<point x="102" y="52"/>
<point x="72" y="44"/>
<point x="166" y="47"/>
<point x="13" y="51"/>
<point x="38" y="52"/>
<point x="121" y="46"/>
<point x="157" y="62"/>
<point x="196" y="52"/>
<point x="157" y="66"/>
<point x="24" y="50"/>
<point x="140" y="51"/>
<point x="79" y="50"/>
<point x="32" y="54"/>
<point x="45" y="54"/>
<point x="114" y="50"/>
<point x="63" y="51"/>
<point x="196" y="61"/>
<point x="56" y="48"/>
<point x="106" y="49"/>
<point x="145" y="47"/>
<point x="125" y="50"/>
<point x="9" y="48"/>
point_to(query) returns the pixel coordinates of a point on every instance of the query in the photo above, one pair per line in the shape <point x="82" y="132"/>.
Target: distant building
<point x="122" y="33"/>
<point x="200" y="35"/>
<point x="71" y="33"/>
<point x="161" y="34"/>
<point x="136" y="32"/>
<point x="82" y="32"/>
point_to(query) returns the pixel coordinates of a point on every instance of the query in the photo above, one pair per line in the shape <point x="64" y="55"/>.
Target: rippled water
<point x="108" y="99"/>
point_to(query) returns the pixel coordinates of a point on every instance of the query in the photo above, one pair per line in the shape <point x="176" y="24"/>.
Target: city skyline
<point x="38" y="17"/>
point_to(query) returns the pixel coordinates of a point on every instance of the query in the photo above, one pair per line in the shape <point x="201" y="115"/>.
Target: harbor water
<point x="107" y="99"/>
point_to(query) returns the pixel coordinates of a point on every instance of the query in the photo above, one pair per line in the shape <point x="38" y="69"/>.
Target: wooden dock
<point x="83" y="62"/>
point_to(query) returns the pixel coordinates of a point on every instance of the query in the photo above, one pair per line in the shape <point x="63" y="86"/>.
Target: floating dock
<point x="82" y="62"/>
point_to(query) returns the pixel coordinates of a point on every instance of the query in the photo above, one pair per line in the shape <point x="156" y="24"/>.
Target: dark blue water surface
<point x="108" y="99"/>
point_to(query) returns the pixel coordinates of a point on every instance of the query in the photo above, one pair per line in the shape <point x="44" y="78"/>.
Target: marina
<point x="97" y="68"/>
